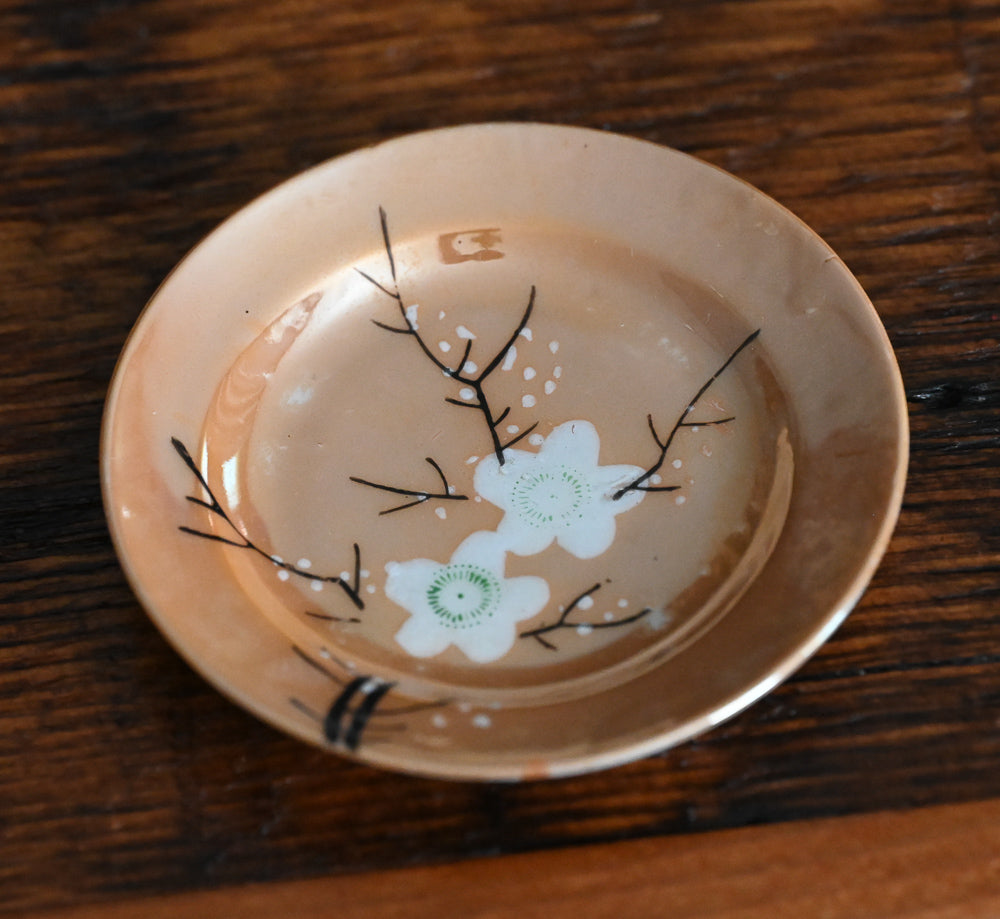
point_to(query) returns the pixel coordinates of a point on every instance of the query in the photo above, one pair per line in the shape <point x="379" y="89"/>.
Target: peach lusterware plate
<point x="504" y="451"/>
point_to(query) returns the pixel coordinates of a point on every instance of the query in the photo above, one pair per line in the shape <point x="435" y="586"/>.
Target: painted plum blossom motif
<point x="558" y="494"/>
<point x="467" y="602"/>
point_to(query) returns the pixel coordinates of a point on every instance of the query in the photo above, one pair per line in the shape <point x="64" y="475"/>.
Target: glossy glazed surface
<point x="443" y="325"/>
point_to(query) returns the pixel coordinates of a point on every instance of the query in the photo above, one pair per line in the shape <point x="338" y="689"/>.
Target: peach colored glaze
<point x="530" y="608"/>
<point x="324" y="394"/>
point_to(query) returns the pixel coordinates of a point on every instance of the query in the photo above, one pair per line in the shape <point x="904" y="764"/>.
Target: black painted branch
<point x="420" y="495"/>
<point x="457" y="374"/>
<point x="213" y="506"/>
<point x="638" y="483"/>
<point x="563" y="621"/>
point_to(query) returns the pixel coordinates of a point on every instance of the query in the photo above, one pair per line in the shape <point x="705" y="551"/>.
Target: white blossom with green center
<point x="467" y="602"/>
<point x="559" y="493"/>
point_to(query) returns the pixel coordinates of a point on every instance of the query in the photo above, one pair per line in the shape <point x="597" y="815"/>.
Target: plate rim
<point x="582" y="762"/>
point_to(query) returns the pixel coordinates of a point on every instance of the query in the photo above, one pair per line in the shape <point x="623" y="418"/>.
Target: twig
<point x="564" y="623"/>
<point x="327" y="617"/>
<point x="638" y="483"/>
<point x="242" y="541"/>
<point x="447" y="494"/>
<point x="476" y="383"/>
<point x="356" y="705"/>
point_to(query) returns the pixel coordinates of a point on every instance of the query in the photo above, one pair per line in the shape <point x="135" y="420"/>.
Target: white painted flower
<point x="467" y="602"/>
<point x="559" y="493"/>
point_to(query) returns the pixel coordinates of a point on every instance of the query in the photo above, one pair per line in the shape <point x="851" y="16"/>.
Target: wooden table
<point x="869" y="784"/>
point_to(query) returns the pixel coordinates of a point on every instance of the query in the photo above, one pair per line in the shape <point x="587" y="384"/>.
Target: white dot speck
<point x="477" y="499"/>
<point x="126" y="513"/>
<point x="277" y="559"/>
<point x="536" y="440"/>
<point x="317" y="586"/>
<point x="441" y="512"/>
<point x="441" y="314"/>
<point x="467" y="393"/>
<point x="677" y="464"/>
<point x="512" y="429"/>
<point x="609" y="616"/>
<point x="657" y="619"/>
<point x="585" y="603"/>
<point x="656" y="479"/>
<point x="526" y="332"/>
<point x="482" y="721"/>
<point x="622" y="603"/>
<point x="370" y="588"/>
<point x="706" y="450"/>
<point x="325" y="654"/>
<point x="365" y="573"/>
<point x="283" y="575"/>
<point x="304" y="564"/>
<point x="695" y="429"/>
<point x="553" y="346"/>
<point x="529" y="373"/>
<point x="528" y="401"/>
<point x="470" y="367"/>
<point x="584" y="629"/>
<point x="462" y="332"/>
<point x="680" y="499"/>
<point x="439" y="721"/>
<point x="299" y="396"/>
<point x="464" y="707"/>
<point x="557" y="372"/>
<point x="550" y="387"/>
<point x="471" y="460"/>
<point x="509" y="360"/>
<point x="444" y="346"/>
<point x="345" y="576"/>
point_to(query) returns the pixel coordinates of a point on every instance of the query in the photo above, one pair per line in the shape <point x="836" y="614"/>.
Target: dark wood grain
<point x="935" y="863"/>
<point x="129" y="129"/>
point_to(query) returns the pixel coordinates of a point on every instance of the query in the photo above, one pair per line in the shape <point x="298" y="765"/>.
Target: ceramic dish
<point x="504" y="451"/>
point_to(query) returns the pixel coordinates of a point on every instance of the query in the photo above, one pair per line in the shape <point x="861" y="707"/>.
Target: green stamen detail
<point x="462" y="596"/>
<point x="544" y="499"/>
